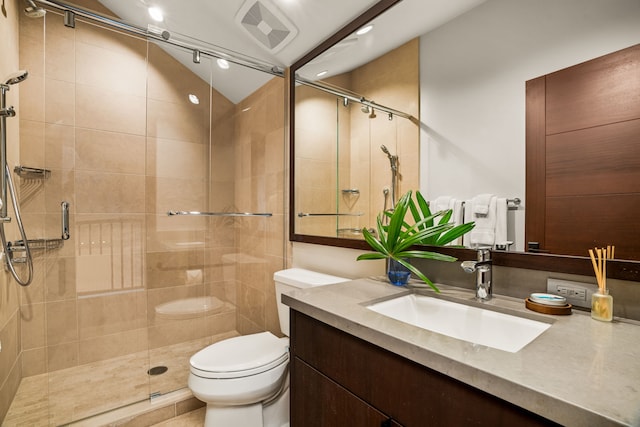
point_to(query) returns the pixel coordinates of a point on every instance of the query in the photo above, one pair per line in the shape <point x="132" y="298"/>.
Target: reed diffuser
<point x="601" y="301"/>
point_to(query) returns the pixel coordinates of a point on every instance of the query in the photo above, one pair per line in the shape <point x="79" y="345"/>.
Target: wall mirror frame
<point x="617" y="269"/>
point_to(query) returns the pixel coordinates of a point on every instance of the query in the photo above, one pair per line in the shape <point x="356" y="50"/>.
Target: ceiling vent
<point x="266" y="24"/>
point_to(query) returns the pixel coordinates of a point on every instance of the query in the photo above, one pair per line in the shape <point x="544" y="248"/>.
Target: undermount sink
<point x="477" y="325"/>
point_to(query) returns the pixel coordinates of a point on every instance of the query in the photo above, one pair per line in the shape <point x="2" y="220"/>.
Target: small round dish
<point x="548" y="299"/>
<point x="548" y="309"/>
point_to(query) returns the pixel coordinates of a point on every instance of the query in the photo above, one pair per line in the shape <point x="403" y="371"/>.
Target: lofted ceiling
<point x="216" y="22"/>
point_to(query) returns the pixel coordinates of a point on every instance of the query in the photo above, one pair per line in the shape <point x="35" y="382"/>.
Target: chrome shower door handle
<point x="65" y="220"/>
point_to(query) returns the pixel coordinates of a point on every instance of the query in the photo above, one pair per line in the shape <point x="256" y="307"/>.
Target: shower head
<point x="17" y="77"/>
<point x="385" y="150"/>
<point x="34" y="11"/>
<point x="393" y="160"/>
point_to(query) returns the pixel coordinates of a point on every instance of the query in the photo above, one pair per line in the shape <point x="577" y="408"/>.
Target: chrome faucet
<point x="482" y="268"/>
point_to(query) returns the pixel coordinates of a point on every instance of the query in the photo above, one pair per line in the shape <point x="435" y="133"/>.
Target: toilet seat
<point x="242" y="356"/>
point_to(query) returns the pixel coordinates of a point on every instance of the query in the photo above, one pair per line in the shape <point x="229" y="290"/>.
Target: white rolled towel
<point x="481" y="204"/>
<point x="484" y="233"/>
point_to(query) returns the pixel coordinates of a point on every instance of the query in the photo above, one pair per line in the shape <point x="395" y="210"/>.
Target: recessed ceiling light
<point x="156" y="14"/>
<point x="223" y="63"/>
<point x="364" y="30"/>
<point x="322" y="73"/>
<point x="194" y="99"/>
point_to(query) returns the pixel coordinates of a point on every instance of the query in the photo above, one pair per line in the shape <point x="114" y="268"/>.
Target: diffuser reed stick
<point x="600" y="265"/>
<point x="601" y="301"/>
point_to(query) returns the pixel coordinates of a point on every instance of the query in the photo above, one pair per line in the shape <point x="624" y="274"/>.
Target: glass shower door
<point x="179" y="105"/>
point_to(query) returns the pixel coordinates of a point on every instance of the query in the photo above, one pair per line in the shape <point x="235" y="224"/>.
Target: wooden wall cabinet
<point x="583" y="157"/>
<point x="340" y="380"/>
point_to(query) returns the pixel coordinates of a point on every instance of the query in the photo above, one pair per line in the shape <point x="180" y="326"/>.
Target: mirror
<point x="472" y="79"/>
<point x="358" y="155"/>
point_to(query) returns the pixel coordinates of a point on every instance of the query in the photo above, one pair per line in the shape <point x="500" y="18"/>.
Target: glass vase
<point x="397" y="273"/>
<point x="602" y="306"/>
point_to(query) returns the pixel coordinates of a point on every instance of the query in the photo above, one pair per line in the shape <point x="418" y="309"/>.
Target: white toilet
<point x="245" y="380"/>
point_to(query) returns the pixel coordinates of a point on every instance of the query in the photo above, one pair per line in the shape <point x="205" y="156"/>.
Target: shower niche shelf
<point x="26" y="172"/>
<point x="36" y="244"/>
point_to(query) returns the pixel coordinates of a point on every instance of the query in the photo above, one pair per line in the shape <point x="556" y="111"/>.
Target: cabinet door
<point x="317" y="401"/>
<point x="582" y="126"/>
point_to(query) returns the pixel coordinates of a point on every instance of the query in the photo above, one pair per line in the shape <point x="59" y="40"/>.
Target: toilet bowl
<point x="245" y="380"/>
<point x="241" y="370"/>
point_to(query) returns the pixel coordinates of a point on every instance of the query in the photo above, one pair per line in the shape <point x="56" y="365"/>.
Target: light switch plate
<point x="576" y="293"/>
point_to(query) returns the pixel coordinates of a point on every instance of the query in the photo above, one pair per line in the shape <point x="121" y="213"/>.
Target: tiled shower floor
<point x="68" y="395"/>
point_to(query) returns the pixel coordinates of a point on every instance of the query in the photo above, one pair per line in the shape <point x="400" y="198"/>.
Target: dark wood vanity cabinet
<point x="325" y="403"/>
<point x="340" y="380"/>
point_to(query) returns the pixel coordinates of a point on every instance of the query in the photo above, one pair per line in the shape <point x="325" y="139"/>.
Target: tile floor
<point x="69" y="395"/>
<point x="190" y="419"/>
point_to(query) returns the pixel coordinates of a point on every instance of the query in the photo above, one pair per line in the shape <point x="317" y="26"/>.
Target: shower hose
<point x="7" y="252"/>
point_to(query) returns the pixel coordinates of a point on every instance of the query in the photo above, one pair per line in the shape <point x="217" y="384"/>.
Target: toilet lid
<point x="240" y="356"/>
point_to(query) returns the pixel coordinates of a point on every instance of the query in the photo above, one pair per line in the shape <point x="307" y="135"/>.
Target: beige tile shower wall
<point x="392" y="80"/>
<point x="10" y="366"/>
<point x="315" y="160"/>
<point x="109" y="167"/>
<point x="220" y="259"/>
<point x="260" y="179"/>
<point x="347" y="201"/>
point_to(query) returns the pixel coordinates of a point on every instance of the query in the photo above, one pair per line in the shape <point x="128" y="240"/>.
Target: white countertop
<point x="580" y="372"/>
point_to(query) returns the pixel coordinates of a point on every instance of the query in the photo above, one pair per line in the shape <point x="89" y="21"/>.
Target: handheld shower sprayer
<point x="5" y="112"/>
<point x="393" y="160"/>
<point x="5" y="181"/>
<point x="17" y="77"/>
<point x="13" y="79"/>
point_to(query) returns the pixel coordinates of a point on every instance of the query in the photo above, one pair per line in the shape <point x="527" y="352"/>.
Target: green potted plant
<point x="395" y="240"/>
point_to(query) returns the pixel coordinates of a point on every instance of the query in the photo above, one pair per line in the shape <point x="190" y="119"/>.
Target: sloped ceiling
<point x="214" y="22"/>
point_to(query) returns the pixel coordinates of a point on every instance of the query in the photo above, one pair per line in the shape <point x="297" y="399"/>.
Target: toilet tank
<point x="298" y="278"/>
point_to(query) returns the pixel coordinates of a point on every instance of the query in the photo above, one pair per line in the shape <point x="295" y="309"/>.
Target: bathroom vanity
<point x="335" y="374"/>
<point x="350" y="364"/>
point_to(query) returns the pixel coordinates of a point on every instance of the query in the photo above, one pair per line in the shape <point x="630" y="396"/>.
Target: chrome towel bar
<point x="303" y="214"/>
<point x="195" y="213"/>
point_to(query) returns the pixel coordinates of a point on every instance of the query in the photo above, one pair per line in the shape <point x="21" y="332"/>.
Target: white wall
<point x="336" y="261"/>
<point x="472" y="77"/>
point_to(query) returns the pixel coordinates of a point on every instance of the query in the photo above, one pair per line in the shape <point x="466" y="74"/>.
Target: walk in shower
<point x="128" y="134"/>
